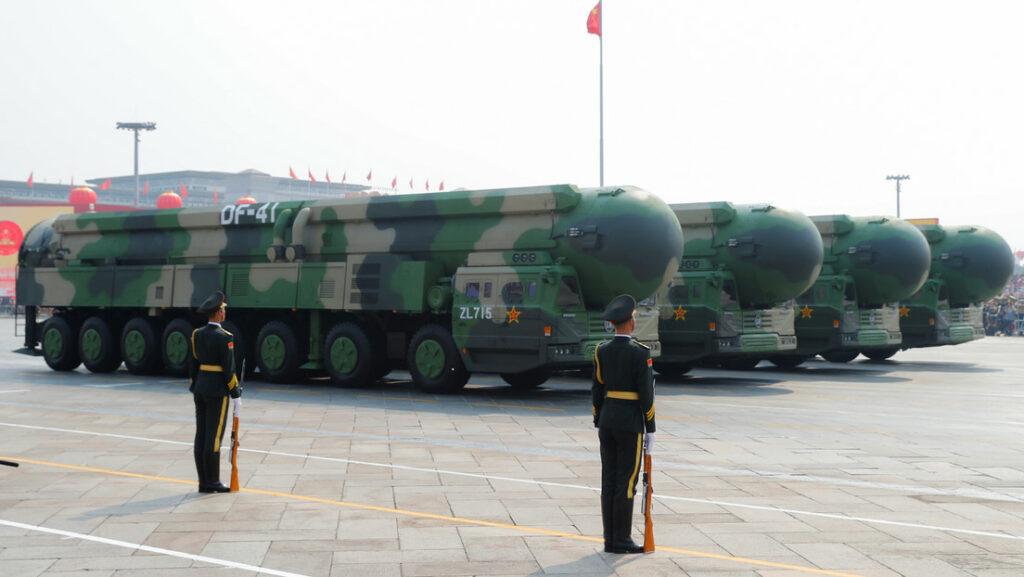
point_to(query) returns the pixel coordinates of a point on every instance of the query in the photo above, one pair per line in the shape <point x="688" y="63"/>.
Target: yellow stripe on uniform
<point x="211" y="368"/>
<point x="220" y="424"/>
<point x="597" y="365"/>
<point x="650" y="413"/>
<point x="636" y="466"/>
<point x="233" y="383"/>
<point x="194" y="355"/>
<point x="624" y="395"/>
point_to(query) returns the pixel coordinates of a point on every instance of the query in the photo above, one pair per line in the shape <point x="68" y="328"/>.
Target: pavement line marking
<point x="15" y="391"/>
<point x="286" y="391"/>
<point x="464" y="520"/>
<point x="112" y="386"/>
<point x="657" y="497"/>
<point x="819" y="428"/>
<point x="516" y="407"/>
<point x="684" y="419"/>
<point x="149" y="549"/>
<point x="397" y="398"/>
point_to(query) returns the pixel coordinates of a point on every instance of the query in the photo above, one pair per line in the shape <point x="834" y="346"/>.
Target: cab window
<point x="487" y="290"/>
<point x="512" y="293"/>
<point x="532" y="291"/>
<point x="679" y="294"/>
<point x="472" y="290"/>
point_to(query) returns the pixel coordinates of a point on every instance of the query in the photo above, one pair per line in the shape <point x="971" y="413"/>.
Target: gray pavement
<point x="912" y="467"/>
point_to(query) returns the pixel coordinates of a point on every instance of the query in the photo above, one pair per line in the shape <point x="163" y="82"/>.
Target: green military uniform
<point x="623" y="399"/>
<point x="212" y="371"/>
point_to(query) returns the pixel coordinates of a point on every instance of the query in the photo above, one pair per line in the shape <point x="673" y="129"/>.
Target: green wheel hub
<point x="134" y="346"/>
<point x="344" y="356"/>
<point x="272" y="351"/>
<point x="430" y="359"/>
<point x="177" y="348"/>
<point x="53" y="344"/>
<point x="92" y="345"/>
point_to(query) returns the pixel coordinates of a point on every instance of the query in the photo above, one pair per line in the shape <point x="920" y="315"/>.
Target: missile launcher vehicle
<point x="510" y="281"/>
<point x="870" y="264"/>
<point x="728" y="301"/>
<point x="969" y="264"/>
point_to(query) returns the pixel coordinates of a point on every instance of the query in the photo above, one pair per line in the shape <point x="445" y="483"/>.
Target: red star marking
<point x="513" y="315"/>
<point x="805" y="313"/>
<point x="680" y="313"/>
<point x="904" y="311"/>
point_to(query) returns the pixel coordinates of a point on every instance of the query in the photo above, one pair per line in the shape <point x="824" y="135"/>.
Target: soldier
<point x="212" y="369"/>
<point x="623" y="396"/>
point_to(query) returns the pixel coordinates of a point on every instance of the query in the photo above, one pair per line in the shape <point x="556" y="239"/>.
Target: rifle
<point x="648" y="497"/>
<point x="234" y="439"/>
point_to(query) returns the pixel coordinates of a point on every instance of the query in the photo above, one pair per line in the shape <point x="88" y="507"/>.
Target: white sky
<point x="804" y="104"/>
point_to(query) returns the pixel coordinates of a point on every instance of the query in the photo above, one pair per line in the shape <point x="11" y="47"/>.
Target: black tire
<point x="879" y="354"/>
<point x="243" y="355"/>
<point x="672" y="370"/>
<point x="787" y="361"/>
<point x="527" y="380"/>
<point x="97" y="346"/>
<point x="739" y="363"/>
<point x="176" y="347"/>
<point x="140" y="350"/>
<point x="277" y="352"/>
<point x="434" y="361"/>
<point x="348" y="356"/>
<point x="60" y="344"/>
<point x="840" y="356"/>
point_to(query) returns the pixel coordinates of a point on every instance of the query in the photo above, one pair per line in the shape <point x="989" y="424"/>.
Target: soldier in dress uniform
<point x="623" y="397"/>
<point x="212" y="369"/>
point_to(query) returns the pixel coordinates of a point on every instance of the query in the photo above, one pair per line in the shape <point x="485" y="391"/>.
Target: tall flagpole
<point x="600" y="26"/>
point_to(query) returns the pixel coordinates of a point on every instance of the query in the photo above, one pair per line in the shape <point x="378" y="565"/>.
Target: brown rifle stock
<point x="234" y="442"/>
<point x="648" y="497"/>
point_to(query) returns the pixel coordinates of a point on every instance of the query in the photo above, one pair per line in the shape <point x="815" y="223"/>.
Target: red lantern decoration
<point x="245" y="200"/>
<point x="169" y="199"/>
<point x="83" y="195"/>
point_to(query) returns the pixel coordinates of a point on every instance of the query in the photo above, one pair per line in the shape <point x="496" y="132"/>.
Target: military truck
<point x="727" y="301"/>
<point x="852" y="308"/>
<point x="511" y="281"/>
<point x="969" y="264"/>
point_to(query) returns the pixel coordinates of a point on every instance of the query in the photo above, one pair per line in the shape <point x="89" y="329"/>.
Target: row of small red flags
<point x="369" y="177"/>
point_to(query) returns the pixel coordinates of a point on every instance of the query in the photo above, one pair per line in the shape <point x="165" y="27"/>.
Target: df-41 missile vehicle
<point x="870" y="264"/>
<point x="727" y="302"/>
<point x="969" y="264"/>
<point x="511" y="281"/>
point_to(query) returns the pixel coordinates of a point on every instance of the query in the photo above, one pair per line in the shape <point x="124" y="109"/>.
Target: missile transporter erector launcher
<point x="727" y="301"/>
<point x="870" y="264"/>
<point x="512" y="281"/>
<point x="969" y="264"/>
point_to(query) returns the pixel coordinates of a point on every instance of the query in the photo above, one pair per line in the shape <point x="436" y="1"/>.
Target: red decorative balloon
<point x="82" y="195"/>
<point x="246" y="200"/>
<point x="169" y="199"/>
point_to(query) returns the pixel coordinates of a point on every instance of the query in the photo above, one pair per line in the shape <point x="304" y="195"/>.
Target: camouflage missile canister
<point x="969" y="264"/>
<point x="870" y="264"/>
<point x="741" y="262"/>
<point x="354" y="286"/>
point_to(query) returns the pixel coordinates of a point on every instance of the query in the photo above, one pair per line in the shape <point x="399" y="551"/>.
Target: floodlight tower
<point x="136" y="127"/>
<point x="898" y="178"/>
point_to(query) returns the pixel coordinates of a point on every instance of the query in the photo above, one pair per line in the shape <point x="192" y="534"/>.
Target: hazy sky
<point x="803" y="104"/>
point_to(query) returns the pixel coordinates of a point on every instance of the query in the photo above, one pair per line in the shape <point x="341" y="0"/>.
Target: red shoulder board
<point x="231" y="345"/>
<point x="650" y="362"/>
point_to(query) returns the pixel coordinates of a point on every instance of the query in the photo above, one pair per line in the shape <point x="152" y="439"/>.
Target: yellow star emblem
<point x="805" y="313"/>
<point x="904" y="311"/>
<point x="513" y="315"/>
<point x="680" y="313"/>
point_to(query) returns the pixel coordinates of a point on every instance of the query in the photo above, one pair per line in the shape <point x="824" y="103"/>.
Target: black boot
<point x="606" y="518"/>
<point x="200" y="470"/>
<point x="213" y="484"/>
<point x="622" y="523"/>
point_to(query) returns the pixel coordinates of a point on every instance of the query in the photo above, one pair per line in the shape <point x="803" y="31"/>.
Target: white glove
<point x="236" y="405"/>
<point x="648" y="443"/>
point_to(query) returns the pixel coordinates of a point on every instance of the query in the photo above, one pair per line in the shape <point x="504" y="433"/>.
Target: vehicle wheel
<point x="787" y="361"/>
<point x="139" y="347"/>
<point x="672" y="370"/>
<point x="60" y="345"/>
<point x="97" y="347"/>
<point x="526" y="380"/>
<point x="177" y="347"/>
<point x="878" y="354"/>
<point x="434" y="362"/>
<point x="242" y="352"/>
<point x="277" y="352"/>
<point x="739" y="363"/>
<point x="348" y="356"/>
<point x="839" y="356"/>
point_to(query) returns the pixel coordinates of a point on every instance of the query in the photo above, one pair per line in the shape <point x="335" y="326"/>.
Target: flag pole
<point x="600" y="20"/>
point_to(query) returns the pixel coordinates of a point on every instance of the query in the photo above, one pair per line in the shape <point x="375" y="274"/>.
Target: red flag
<point x="29" y="183"/>
<point x="394" y="183"/>
<point x="310" y="172"/>
<point x="105" y="185"/>
<point x="369" y="175"/>
<point x="428" y="185"/>
<point x="343" y="175"/>
<point x="441" y="188"/>
<point x="594" y="20"/>
<point x="291" y="173"/>
<point x="184" y="193"/>
<point x="214" y="195"/>
<point x="327" y="174"/>
<point x="410" y="184"/>
<point x="145" y="189"/>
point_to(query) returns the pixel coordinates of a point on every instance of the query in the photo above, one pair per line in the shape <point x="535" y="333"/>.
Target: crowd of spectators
<point x="1004" y="315"/>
